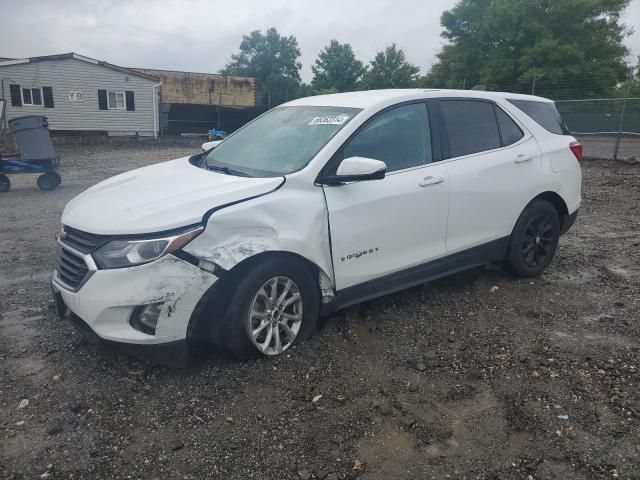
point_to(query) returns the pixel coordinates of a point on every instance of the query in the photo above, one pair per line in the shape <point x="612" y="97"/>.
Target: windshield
<point x="281" y="141"/>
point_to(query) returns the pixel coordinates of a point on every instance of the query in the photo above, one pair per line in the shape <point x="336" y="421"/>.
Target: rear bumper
<point x="569" y="220"/>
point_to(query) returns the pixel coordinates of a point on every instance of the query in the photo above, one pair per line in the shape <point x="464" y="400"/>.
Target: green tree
<point x="305" y="90"/>
<point x="571" y="48"/>
<point x="336" y="69"/>
<point x="390" y="69"/>
<point x="632" y="88"/>
<point x="273" y="60"/>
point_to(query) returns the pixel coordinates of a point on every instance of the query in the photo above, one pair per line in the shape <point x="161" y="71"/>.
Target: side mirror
<point x="357" y="169"/>
<point x="210" y="145"/>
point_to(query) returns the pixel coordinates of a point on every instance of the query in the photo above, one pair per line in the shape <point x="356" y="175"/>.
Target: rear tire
<point x="279" y="299"/>
<point x="534" y="240"/>
<point x="48" y="181"/>
<point x="5" y="183"/>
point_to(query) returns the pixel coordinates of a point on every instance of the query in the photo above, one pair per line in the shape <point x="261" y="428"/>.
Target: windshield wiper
<point x="227" y="170"/>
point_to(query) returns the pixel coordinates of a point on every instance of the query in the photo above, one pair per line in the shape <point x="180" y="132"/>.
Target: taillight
<point x="576" y="148"/>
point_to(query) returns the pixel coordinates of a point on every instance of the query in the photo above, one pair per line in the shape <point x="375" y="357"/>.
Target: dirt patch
<point x="452" y="379"/>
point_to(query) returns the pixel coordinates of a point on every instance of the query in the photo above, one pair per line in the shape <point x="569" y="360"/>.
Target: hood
<point x="159" y="197"/>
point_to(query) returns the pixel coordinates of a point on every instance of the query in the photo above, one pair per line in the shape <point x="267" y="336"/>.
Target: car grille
<point x="82" y="241"/>
<point x="71" y="268"/>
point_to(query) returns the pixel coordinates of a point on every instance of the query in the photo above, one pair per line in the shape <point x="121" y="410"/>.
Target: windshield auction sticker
<point x="329" y="120"/>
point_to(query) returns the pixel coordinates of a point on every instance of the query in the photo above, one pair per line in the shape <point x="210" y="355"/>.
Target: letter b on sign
<point x="76" y="96"/>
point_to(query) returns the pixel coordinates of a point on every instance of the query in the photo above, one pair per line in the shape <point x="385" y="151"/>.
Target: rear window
<point x="471" y="126"/>
<point x="545" y="115"/>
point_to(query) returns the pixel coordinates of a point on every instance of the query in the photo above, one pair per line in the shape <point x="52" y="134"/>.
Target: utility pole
<point x="219" y="108"/>
<point x="533" y="86"/>
<point x="624" y="108"/>
<point x="3" y="112"/>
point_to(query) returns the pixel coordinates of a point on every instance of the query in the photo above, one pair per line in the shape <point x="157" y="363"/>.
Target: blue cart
<point x="35" y="153"/>
<point x="217" y="134"/>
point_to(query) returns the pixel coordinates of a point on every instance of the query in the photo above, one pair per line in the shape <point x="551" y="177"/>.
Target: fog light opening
<point x="207" y="265"/>
<point x="144" y="318"/>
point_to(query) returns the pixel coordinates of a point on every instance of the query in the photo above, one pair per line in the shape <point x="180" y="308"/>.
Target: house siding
<point x="67" y="75"/>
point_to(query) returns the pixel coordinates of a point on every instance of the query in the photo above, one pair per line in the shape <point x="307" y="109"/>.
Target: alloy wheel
<point x="275" y="315"/>
<point x="537" y="245"/>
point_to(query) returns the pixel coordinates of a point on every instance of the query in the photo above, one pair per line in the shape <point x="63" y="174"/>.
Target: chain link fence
<point x="600" y="109"/>
<point x="606" y="116"/>
<point x="608" y="127"/>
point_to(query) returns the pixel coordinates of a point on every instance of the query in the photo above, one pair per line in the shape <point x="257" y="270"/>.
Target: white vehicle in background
<point x="318" y="204"/>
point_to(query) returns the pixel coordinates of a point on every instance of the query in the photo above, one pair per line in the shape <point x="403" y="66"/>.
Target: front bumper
<point x="172" y="354"/>
<point x="101" y="309"/>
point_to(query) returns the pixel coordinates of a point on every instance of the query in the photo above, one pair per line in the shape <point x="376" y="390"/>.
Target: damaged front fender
<point x="291" y="219"/>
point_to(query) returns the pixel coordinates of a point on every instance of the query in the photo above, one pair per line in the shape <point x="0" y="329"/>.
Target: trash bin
<point x="31" y="137"/>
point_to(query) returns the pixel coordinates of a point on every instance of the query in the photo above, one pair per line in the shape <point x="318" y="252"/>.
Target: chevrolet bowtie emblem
<point x="61" y="235"/>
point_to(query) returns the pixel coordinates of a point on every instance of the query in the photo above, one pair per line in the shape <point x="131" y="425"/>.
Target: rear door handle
<point x="522" y="158"/>
<point x="426" y="181"/>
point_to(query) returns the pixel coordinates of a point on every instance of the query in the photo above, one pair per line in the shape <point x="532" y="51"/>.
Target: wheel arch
<point x="557" y="201"/>
<point x="212" y="300"/>
<point x="514" y="261"/>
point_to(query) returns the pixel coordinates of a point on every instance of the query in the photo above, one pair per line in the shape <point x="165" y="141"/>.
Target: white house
<point x="78" y="93"/>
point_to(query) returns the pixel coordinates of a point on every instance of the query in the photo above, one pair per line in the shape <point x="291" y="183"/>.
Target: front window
<point x="400" y="137"/>
<point x="32" y="96"/>
<point x="116" y="100"/>
<point x="281" y="141"/>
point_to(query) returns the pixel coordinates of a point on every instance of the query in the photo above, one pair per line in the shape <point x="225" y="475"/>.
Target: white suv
<point x="318" y="204"/>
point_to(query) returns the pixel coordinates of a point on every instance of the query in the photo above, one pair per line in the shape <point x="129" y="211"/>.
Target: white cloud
<point x="201" y="35"/>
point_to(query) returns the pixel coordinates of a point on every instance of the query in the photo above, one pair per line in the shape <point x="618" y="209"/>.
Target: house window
<point x="116" y="100"/>
<point x="32" y="96"/>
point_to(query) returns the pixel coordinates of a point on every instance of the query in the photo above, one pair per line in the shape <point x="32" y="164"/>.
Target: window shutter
<point x="102" y="100"/>
<point x="47" y="93"/>
<point x="16" y="98"/>
<point x="131" y="105"/>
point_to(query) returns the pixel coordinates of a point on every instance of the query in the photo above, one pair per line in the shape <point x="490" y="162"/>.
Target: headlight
<point x="126" y="253"/>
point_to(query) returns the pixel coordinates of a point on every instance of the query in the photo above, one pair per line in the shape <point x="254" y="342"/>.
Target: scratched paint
<point x="288" y="220"/>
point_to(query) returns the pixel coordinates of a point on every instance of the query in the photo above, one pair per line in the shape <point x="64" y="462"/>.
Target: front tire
<point x="534" y="240"/>
<point x="272" y="306"/>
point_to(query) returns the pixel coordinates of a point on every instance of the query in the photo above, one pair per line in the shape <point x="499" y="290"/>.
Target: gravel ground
<point x="454" y="379"/>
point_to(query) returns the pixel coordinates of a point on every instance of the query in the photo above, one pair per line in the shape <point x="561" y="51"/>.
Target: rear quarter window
<point x="544" y="114"/>
<point x="509" y="131"/>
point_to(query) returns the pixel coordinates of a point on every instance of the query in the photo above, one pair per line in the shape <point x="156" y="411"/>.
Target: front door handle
<point x="426" y="181"/>
<point x="522" y="158"/>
